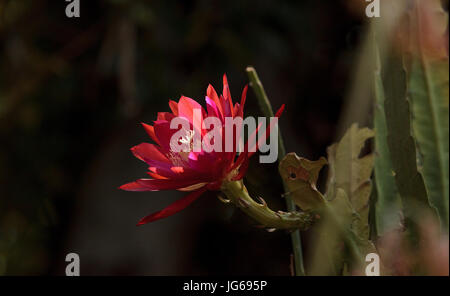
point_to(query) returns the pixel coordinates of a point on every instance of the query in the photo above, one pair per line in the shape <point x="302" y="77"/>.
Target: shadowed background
<point x="74" y="90"/>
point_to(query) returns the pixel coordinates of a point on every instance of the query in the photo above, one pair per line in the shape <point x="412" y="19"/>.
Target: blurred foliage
<point x="413" y="53"/>
<point x="388" y="205"/>
<point x="412" y="112"/>
<point x="408" y="68"/>
<point x="428" y="87"/>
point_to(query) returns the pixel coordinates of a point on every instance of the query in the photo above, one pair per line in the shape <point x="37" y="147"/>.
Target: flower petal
<point x="212" y="94"/>
<point x="212" y="109"/>
<point x="133" y="186"/>
<point x="164" y="134"/>
<point x="155" y="175"/>
<point x="226" y="107"/>
<point x="165" y="116"/>
<point x="193" y="187"/>
<point x="243" y="98"/>
<point x="173" y="107"/>
<point x="174" y="207"/>
<point x="158" y="162"/>
<point x="186" y="107"/>
<point x="280" y="111"/>
<point x="150" y="154"/>
<point x="158" y="184"/>
<point x="150" y="131"/>
<point x="266" y="133"/>
<point x="236" y="109"/>
<point x="228" y="104"/>
<point x="252" y="140"/>
<point x="242" y="168"/>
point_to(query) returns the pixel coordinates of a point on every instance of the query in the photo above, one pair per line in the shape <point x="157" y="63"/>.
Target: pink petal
<point x="212" y="108"/>
<point x="280" y="111"/>
<point x="155" y="175"/>
<point x="158" y="162"/>
<point x="150" y="154"/>
<point x="252" y="139"/>
<point x="212" y="94"/>
<point x="243" y="98"/>
<point x="150" y="131"/>
<point x="174" y="207"/>
<point x="158" y="184"/>
<point x="186" y="107"/>
<point x="133" y="186"/>
<point x="227" y="95"/>
<point x="236" y="109"/>
<point x="175" y="172"/>
<point x="165" y="116"/>
<point x="226" y="107"/>
<point x="205" y="164"/>
<point x="267" y="131"/>
<point x="242" y="168"/>
<point x="164" y="134"/>
<point x="173" y="107"/>
<point x="225" y="85"/>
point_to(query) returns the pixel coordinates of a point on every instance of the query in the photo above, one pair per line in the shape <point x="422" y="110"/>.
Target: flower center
<point x="182" y="157"/>
<point x="188" y="139"/>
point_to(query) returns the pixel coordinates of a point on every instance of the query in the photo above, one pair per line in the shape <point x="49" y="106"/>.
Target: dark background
<point x="74" y="90"/>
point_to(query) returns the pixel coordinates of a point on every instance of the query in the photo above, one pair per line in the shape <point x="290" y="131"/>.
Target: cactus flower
<point x="191" y="171"/>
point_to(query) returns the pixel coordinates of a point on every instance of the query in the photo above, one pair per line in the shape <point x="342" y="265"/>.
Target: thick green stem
<point x="238" y="195"/>
<point x="348" y="236"/>
<point x="266" y="108"/>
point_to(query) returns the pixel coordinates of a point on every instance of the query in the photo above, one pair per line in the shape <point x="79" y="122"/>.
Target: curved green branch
<point x="236" y="192"/>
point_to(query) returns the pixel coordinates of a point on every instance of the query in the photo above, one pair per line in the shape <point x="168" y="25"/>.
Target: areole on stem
<point x="236" y="192"/>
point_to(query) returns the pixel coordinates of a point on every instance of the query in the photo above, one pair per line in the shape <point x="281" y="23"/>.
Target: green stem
<point x="266" y="108"/>
<point x="236" y="192"/>
<point x="349" y="238"/>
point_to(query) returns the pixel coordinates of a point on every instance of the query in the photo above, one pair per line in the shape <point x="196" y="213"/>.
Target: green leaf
<point x="342" y="234"/>
<point x="351" y="173"/>
<point x="401" y="144"/>
<point x="329" y="255"/>
<point x="428" y="89"/>
<point x="388" y="204"/>
<point x="300" y="176"/>
<point x="349" y="185"/>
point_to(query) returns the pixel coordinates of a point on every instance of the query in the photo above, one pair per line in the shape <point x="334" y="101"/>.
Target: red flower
<point x="190" y="171"/>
